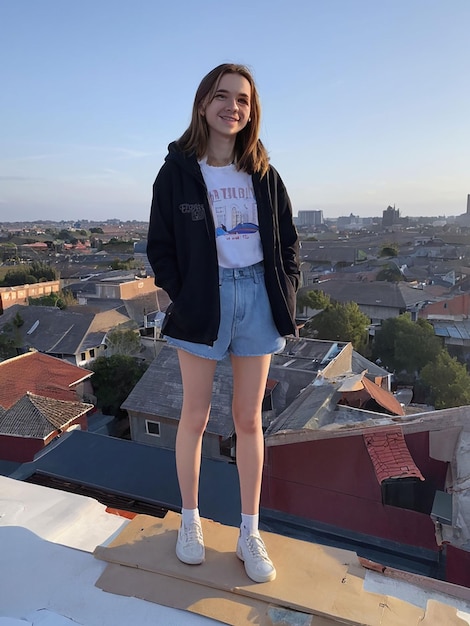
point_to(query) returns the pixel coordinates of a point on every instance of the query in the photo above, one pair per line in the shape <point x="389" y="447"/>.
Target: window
<point x="92" y="353"/>
<point x="152" y="428"/>
<point x="82" y="356"/>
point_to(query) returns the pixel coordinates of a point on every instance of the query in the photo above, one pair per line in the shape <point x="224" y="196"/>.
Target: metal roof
<point x="137" y="471"/>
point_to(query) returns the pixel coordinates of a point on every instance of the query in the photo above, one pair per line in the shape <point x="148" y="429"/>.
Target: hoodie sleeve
<point x="161" y="244"/>
<point x="288" y="237"/>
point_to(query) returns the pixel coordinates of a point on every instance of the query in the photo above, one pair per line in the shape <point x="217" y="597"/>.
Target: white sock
<point x="250" y="524"/>
<point x="188" y="516"/>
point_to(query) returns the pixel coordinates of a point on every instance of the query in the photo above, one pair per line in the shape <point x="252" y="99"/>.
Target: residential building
<point x="34" y="421"/>
<point x="10" y="296"/>
<point x="154" y="405"/>
<point x="43" y="375"/>
<point x="75" y="337"/>
<point x="309" y="218"/>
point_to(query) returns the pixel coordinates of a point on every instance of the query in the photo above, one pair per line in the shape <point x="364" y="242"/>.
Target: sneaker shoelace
<point x="193" y="533"/>
<point x="257" y="548"/>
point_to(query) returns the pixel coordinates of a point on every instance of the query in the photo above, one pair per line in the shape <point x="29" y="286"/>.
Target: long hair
<point x="250" y="154"/>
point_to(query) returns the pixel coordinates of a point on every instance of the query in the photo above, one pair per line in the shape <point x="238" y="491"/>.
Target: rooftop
<point x="39" y="374"/>
<point x="70" y="561"/>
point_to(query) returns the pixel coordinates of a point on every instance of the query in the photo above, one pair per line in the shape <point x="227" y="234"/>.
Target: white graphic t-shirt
<point x="233" y="204"/>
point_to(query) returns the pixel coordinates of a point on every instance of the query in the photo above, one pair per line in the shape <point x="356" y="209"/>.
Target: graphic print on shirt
<point x="235" y="213"/>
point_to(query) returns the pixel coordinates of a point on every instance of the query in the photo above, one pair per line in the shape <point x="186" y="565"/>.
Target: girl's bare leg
<point x="249" y="384"/>
<point x="197" y="376"/>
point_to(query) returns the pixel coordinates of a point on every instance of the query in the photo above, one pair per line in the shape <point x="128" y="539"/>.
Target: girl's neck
<point x="220" y="154"/>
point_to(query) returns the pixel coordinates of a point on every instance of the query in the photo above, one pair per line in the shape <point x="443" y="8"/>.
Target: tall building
<point x="310" y="218"/>
<point x="390" y="216"/>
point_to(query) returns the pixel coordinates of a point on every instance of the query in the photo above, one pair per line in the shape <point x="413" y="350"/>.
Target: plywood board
<point x="311" y="579"/>
<point x="223" y="606"/>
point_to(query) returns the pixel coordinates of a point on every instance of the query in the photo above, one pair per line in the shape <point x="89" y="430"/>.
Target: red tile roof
<point x="390" y="455"/>
<point x="40" y="374"/>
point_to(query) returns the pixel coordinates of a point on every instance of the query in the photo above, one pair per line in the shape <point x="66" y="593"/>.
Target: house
<point x="43" y="375"/>
<point x="451" y="321"/>
<point x="75" y="337"/>
<point x="154" y="405"/>
<point x="9" y="296"/>
<point x="113" y="285"/>
<point x="133" y="296"/>
<point x="378" y="300"/>
<point x="33" y="421"/>
<point x="456" y="308"/>
<point x="394" y="483"/>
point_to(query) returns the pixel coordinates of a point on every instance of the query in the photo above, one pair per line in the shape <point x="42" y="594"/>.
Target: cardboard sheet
<point x="311" y="579"/>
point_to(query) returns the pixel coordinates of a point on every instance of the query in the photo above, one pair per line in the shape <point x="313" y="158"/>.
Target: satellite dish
<point x="404" y="396"/>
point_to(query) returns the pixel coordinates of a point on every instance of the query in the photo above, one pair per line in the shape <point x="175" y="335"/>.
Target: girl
<point x="223" y="245"/>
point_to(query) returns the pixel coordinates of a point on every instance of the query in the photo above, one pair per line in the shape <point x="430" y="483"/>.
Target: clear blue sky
<point x="366" y="103"/>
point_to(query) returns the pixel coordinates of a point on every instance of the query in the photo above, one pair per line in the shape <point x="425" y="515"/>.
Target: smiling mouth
<point x="229" y="119"/>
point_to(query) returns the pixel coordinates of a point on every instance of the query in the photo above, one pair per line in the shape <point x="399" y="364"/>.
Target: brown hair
<point x="251" y="156"/>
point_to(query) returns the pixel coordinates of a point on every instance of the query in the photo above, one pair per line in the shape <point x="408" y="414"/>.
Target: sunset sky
<point x="365" y="102"/>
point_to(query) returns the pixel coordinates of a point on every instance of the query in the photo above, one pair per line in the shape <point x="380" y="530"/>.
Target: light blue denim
<point x="246" y="322"/>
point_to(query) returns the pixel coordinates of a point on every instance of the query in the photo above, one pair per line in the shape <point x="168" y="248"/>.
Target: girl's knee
<point x="248" y="425"/>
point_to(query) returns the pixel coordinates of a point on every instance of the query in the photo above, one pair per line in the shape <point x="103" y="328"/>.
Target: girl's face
<point x="229" y="110"/>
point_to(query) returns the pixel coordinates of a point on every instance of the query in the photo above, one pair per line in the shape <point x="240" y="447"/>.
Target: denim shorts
<point x="246" y="322"/>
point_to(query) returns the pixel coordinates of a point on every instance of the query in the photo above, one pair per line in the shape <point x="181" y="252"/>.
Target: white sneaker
<point x="258" y="565"/>
<point x="190" y="544"/>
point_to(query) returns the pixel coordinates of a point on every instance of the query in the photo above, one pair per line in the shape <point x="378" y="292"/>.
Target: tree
<point x="117" y="264"/>
<point x="390" y="273"/>
<point x="61" y="300"/>
<point x="314" y="299"/>
<point x="339" y="322"/>
<point x="448" y="381"/>
<point x="123" y="341"/>
<point x="10" y="337"/>
<point x="404" y="345"/>
<point x="389" y="249"/>
<point x="30" y="274"/>
<point x="7" y="346"/>
<point x="20" y="276"/>
<point x="113" y="379"/>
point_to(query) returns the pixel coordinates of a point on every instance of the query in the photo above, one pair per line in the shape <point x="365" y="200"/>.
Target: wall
<point x="167" y="438"/>
<point x="20" y="294"/>
<point x="333" y="481"/>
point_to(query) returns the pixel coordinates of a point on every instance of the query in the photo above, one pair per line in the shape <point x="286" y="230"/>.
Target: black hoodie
<point x="182" y="250"/>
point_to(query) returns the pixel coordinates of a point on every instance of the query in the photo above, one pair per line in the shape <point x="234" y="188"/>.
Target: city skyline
<point x="364" y="103"/>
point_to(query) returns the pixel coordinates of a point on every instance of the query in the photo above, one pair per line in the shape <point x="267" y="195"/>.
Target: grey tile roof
<point x="50" y="330"/>
<point x="93" y="340"/>
<point x="159" y="392"/>
<point x="295" y="400"/>
<point x="38" y="417"/>
<point x="312" y="409"/>
<point x="378" y="293"/>
<point x="360" y="363"/>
